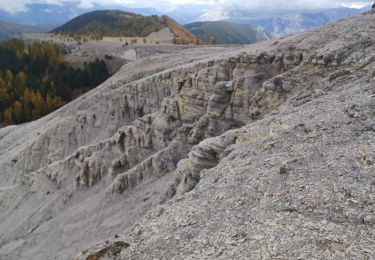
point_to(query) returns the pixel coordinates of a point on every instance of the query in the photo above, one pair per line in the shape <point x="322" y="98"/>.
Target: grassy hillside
<point x="116" y="23"/>
<point x="227" y="33"/>
<point x="8" y="30"/>
<point x="181" y="34"/>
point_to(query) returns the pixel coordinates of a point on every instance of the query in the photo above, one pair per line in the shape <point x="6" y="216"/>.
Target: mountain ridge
<point x="255" y="151"/>
<point x="279" y="22"/>
<point x="227" y="33"/>
<point x="53" y="15"/>
<point x="9" y="30"/>
<point x="118" y="23"/>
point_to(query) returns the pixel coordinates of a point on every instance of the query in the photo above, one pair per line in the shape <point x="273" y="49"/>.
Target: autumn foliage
<point x="35" y="80"/>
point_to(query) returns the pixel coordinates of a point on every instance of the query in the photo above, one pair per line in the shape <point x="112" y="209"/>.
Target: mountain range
<point x="8" y="30"/>
<point x="227" y="33"/>
<point x="279" y="22"/>
<point x="276" y="21"/>
<point x="55" y="15"/>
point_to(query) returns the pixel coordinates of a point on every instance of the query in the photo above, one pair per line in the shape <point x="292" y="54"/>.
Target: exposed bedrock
<point x="163" y="125"/>
<point x="225" y="95"/>
<point x="136" y="90"/>
<point x="281" y="160"/>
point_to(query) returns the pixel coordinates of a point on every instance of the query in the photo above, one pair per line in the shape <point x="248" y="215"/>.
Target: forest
<point x="112" y="23"/>
<point x="35" y="80"/>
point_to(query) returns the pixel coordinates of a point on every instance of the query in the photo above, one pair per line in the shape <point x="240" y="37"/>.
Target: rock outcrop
<point x="251" y="152"/>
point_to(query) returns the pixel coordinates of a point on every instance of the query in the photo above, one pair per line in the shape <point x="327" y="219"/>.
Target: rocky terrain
<point x="256" y="152"/>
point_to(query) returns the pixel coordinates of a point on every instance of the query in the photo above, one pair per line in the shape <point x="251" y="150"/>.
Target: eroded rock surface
<point x="253" y="152"/>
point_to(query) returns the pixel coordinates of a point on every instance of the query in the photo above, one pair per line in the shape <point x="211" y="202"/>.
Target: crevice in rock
<point x="208" y="103"/>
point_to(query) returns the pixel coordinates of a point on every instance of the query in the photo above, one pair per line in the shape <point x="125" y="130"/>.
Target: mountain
<point x="273" y="20"/>
<point x="9" y="31"/>
<point x="53" y="15"/>
<point x="45" y="14"/>
<point x="227" y="33"/>
<point x="116" y="23"/>
<point x="278" y="22"/>
<point x="263" y="151"/>
<point x="187" y="13"/>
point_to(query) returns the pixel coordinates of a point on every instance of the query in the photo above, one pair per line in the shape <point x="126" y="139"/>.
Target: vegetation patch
<point x="115" y="23"/>
<point x="35" y="80"/>
<point x="112" y="23"/>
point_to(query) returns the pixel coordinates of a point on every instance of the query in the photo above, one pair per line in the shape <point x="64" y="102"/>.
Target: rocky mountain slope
<point x="227" y="33"/>
<point x="264" y="151"/>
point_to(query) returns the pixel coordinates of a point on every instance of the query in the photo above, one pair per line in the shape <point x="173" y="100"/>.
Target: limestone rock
<point x="205" y="132"/>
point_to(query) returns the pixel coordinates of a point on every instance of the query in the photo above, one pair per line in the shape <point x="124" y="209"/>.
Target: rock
<point x="213" y="133"/>
<point x="283" y="169"/>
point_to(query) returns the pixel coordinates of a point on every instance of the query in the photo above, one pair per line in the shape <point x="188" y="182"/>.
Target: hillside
<point x="227" y="33"/>
<point x="116" y="23"/>
<point x="263" y="151"/>
<point x="55" y="13"/>
<point x="9" y="31"/>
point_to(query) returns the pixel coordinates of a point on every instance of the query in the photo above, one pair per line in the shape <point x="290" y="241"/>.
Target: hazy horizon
<point x="18" y="6"/>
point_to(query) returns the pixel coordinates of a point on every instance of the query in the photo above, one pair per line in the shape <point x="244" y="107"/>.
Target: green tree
<point x="35" y="80"/>
<point x="8" y="116"/>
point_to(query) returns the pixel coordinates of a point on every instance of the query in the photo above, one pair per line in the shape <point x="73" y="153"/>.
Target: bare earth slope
<point x="274" y="141"/>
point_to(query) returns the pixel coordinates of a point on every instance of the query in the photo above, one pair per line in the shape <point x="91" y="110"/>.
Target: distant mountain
<point x="278" y="22"/>
<point x="9" y="31"/>
<point x="227" y="33"/>
<point x="117" y="23"/>
<point x="187" y="13"/>
<point x="58" y="14"/>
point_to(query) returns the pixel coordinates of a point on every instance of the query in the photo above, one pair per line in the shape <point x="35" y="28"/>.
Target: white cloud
<point x="15" y="6"/>
<point x="298" y="4"/>
<point x="86" y="4"/>
<point x="357" y="5"/>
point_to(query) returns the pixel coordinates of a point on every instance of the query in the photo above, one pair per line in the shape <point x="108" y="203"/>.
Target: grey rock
<point x="198" y="131"/>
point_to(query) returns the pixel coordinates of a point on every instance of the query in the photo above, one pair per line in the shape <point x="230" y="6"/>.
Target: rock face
<point x="274" y="142"/>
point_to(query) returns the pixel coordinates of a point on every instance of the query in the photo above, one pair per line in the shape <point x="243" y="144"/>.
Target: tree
<point x="26" y="105"/>
<point x="53" y="102"/>
<point x="39" y="105"/>
<point x="8" y="116"/>
<point x="20" y="84"/>
<point x="17" y="112"/>
<point x="35" y="80"/>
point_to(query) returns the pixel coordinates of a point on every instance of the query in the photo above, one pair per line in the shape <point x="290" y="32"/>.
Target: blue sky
<point x="14" y="6"/>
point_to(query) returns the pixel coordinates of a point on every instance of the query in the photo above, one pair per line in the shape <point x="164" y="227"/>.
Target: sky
<point x="15" y="6"/>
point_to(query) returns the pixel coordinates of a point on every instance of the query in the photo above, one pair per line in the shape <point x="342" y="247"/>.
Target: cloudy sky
<point x="14" y="6"/>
